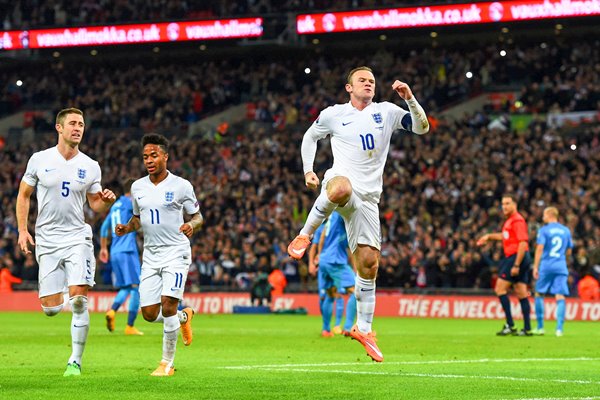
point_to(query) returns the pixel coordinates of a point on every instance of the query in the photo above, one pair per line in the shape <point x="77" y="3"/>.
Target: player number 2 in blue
<point x="368" y="142"/>
<point x="154" y="216"/>
<point x="556" y="245"/>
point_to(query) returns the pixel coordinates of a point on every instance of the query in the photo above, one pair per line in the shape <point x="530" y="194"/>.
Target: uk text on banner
<point x="131" y="34"/>
<point x="457" y="14"/>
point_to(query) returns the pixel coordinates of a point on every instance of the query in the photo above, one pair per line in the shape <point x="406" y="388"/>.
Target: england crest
<point x="169" y="196"/>
<point x="378" y="118"/>
<point x="81" y="173"/>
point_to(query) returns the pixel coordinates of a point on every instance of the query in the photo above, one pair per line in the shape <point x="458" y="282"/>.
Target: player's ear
<point x="348" y="88"/>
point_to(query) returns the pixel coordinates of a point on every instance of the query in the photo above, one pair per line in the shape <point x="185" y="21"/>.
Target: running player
<point x="65" y="178"/>
<point x="159" y="203"/>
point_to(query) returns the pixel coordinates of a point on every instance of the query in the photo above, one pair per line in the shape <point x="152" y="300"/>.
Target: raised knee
<point x="52" y="311"/>
<point x="339" y="190"/>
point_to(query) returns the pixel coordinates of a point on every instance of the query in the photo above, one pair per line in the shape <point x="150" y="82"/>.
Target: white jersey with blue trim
<point x="61" y="191"/>
<point x="360" y="141"/>
<point x="161" y="208"/>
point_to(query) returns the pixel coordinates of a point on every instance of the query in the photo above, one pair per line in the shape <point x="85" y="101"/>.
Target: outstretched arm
<point x="420" y="124"/>
<point x="489" y="236"/>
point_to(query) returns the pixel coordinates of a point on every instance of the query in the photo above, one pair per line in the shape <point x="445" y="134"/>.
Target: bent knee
<point x="52" y="311"/>
<point x="339" y="190"/>
<point x="78" y="304"/>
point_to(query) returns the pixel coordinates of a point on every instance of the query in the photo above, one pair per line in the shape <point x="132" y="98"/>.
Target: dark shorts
<point x="524" y="270"/>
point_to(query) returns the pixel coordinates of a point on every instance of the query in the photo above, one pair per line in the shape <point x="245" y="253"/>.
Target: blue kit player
<point x="554" y="244"/>
<point x="335" y="276"/>
<point x="124" y="259"/>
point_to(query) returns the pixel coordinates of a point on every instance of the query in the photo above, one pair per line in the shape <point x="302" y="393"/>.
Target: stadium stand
<point x="440" y="190"/>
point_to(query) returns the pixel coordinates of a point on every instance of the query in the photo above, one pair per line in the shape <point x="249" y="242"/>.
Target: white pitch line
<point x="428" y="362"/>
<point x="562" y="398"/>
<point x="443" y="376"/>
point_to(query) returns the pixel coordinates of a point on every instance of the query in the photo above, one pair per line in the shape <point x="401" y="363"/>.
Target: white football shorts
<point x="64" y="267"/>
<point x="362" y="222"/>
<point x="157" y="281"/>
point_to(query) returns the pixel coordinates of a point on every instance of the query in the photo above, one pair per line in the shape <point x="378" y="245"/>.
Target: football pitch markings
<point x="562" y="398"/>
<point x="302" y="368"/>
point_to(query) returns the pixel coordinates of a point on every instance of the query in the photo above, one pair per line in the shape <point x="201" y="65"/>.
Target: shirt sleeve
<point x="541" y="238"/>
<point x="521" y="233"/>
<point x="569" y="239"/>
<point x="95" y="185"/>
<point x="317" y="131"/>
<point x="399" y="117"/>
<point x="30" y="177"/>
<point x="189" y="200"/>
<point x="105" y="228"/>
<point x="134" y="205"/>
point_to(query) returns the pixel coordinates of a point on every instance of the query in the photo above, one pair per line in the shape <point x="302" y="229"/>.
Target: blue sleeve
<point x="541" y="237"/>
<point x="569" y="239"/>
<point x="105" y="228"/>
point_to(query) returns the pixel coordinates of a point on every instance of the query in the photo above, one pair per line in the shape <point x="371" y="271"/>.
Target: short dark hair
<point x="351" y="73"/>
<point x="126" y="185"/>
<point x="62" y="114"/>
<point x="510" y="196"/>
<point x="155" y="138"/>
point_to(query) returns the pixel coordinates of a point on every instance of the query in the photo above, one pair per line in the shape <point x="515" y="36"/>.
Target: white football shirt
<point x="360" y="141"/>
<point x="160" y="208"/>
<point x="62" y="187"/>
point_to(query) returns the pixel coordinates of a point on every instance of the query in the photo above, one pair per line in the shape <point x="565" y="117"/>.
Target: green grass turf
<point x="283" y="357"/>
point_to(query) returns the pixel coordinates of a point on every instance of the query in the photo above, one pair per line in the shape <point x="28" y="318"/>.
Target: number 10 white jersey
<point x="360" y="141"/>
<point x="160" y="208"/>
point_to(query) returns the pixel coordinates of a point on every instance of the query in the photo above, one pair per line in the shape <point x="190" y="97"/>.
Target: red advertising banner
<point x="391" y="305"/>
<point x="457" y="14"/>
<point x="131" y="34"/>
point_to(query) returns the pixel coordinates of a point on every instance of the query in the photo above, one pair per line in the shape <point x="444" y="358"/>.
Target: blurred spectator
<point x="588" y="288"/>
<point x="277" y="281"/>
<point x="7" y="279"/>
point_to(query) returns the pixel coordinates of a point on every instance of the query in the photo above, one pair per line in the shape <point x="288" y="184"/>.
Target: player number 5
<point x="65" y="189"/>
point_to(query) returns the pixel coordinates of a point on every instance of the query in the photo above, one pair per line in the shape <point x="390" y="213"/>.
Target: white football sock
<point x="364" y="290"/>
<point x="171" y="331"/>
<point x="159" y="317"/>
<point x="80" y="325"/>
<point x="320" y="210"/>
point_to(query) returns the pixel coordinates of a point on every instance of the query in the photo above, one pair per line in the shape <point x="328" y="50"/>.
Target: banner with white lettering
<point x="391" y="305"/>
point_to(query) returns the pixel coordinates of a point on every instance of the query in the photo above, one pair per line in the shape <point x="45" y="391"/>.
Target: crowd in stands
<point x="441" y="192"/>
<point x="177" y="92"/>
<point x="29" y="14"/>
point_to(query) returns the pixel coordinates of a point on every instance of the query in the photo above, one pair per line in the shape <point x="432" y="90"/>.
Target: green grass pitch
<point x="283" y="357"/>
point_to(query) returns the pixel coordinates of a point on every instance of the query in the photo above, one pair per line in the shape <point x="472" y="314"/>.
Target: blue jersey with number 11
<point x="556" y="239"/>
